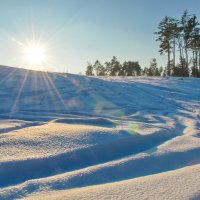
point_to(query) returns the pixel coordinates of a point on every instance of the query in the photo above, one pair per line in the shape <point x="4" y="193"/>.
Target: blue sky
<point x="77" y="31"/>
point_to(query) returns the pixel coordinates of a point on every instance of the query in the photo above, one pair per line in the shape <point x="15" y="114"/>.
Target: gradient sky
<point x="77" y="31"/>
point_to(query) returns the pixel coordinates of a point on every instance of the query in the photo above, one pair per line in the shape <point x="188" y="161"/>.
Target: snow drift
<point x="59" y="132"/>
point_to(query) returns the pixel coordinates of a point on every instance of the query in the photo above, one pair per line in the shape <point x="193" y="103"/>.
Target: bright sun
<point x="35" y="54"/>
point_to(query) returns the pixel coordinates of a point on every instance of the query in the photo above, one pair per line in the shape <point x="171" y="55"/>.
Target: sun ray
<point x="55" y="90"/>
<point x="52" y="90"/>
<point x="9" y="74"/>
<point x="14" y="107"/>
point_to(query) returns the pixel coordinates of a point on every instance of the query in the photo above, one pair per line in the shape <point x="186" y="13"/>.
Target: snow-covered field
<point x="77" y="137"/>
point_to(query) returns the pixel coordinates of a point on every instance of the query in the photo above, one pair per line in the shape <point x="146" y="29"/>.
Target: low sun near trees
<point x="179" y="40"/>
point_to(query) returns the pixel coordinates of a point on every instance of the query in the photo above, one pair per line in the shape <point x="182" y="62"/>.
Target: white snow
<point x="178" y="184"/>
<point x="77" y="137"/>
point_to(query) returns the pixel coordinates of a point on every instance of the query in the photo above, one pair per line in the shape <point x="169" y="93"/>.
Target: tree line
<point x="179" y="40"/>
<point x="114" y="68"/>
<point x="127" y="68"/>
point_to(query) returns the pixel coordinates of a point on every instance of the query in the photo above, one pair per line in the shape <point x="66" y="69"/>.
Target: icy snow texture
<point x="66" y="136"/>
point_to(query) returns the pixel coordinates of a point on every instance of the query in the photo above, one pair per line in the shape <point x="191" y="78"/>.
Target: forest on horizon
<point x="179" y="41"/>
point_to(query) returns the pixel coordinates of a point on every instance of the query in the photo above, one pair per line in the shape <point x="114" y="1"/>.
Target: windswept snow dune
<point x="178" y="184"/>
<point x="65" y="136"/>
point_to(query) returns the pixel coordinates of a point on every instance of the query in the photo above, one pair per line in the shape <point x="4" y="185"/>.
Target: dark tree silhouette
<point x="89" y="70"/>
<point x="164" y="37"/>
<point x="183" y="35"/>
<point x="115" y="67"/>
<point x="131" y="68"/>
<point x="99" y="68"/>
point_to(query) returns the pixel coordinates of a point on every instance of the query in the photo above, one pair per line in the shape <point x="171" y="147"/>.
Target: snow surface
<point x="178" y="184"/>
<point x="65" y="136"/>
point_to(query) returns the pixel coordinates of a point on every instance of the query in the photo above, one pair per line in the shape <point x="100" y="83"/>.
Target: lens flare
<point x="133" y="128"/>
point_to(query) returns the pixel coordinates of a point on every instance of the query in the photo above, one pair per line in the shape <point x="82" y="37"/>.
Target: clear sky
<point x="77" y="31"/>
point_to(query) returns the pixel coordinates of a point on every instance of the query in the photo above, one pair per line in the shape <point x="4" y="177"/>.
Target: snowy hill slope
<point x="178" y="184"/>
<point x="60" y="132"/>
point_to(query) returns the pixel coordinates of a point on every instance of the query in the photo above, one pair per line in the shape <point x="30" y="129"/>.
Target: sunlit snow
<point x="65" y="136"/>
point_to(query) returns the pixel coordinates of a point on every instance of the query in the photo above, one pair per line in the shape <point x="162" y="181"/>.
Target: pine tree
<point x="89" y="70"/>
<point x="164" y="37"/>
<point x="153" y="69"/>
<point x="99" y="68"/>
<point x="132" y="68"/>
<point x="114" y="67"/>
<point x="194" y="45"/>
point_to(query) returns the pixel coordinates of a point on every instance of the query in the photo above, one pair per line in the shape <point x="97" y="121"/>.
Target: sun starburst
<point x="34" y="54"/>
